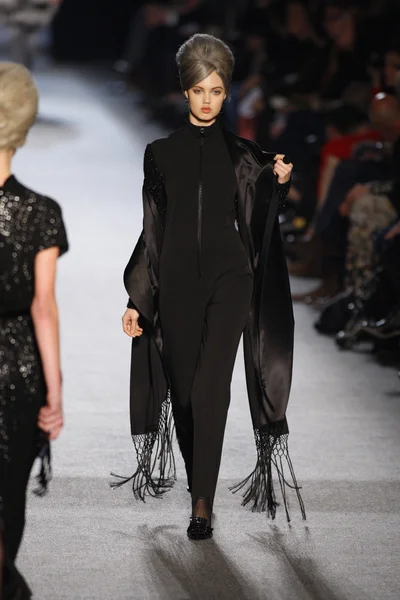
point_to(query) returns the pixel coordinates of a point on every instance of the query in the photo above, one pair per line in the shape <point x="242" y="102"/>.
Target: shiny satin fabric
<point x="268" y="336"/>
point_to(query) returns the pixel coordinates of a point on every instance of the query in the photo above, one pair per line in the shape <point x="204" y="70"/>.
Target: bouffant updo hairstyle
<point x="199" y="56"/>
<point x="18" y="104"/>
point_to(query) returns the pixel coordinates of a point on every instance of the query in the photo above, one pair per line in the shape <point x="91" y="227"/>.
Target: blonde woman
<point x="32" y="237"/>
<point x="208" y="267"/>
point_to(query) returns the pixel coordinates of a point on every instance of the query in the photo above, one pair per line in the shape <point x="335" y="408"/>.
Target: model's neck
<point x="5" y="164"/>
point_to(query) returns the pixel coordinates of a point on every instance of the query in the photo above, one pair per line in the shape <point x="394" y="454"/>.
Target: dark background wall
<point x="91" y="29"/>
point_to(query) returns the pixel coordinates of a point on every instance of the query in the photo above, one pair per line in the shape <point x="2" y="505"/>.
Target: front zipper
<point x="200" y="202"/>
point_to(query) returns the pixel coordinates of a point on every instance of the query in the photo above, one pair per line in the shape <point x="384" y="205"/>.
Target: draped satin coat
<point x="267" y="338"/>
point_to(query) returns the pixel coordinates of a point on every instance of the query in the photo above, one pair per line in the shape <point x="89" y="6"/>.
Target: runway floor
<point x="86" y="542"/>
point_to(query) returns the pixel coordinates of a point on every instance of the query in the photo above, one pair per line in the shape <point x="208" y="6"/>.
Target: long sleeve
<point x="153" y="186"/>
<point x="283" y="190"/>
<point x="154" y="181"/>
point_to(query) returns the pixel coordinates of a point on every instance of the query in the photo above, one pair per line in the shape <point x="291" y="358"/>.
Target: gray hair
<point x="201" y="55"/>
<point x="18" y="104"/>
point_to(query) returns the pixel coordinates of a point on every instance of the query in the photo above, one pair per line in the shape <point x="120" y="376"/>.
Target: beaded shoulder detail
<point x="154" y="181"/>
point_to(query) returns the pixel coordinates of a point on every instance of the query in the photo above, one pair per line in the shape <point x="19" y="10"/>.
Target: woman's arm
<point x="130" y="323"/>
<point x="136" y="275"/>
<point x="45" y="319"/>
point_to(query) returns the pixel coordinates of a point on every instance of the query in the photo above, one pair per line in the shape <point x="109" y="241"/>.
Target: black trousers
<point x="202" y="324"/>
<point x="16" y="477"/>
<point x="16" y="474"/>
<point x="22" y="393"/>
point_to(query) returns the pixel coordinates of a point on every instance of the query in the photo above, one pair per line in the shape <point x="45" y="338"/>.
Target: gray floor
<point x="84" y="541"/>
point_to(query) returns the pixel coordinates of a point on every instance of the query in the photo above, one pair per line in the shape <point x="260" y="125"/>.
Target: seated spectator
<point x="349" y="136"/>
<point x="371" y="208"/>
<point x="385" y="115"/>
<point x="347" y="128"/>
<point x="372" y="213"/>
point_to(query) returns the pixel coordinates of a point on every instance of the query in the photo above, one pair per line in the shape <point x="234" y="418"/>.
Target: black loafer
<point x="198" y="529"/>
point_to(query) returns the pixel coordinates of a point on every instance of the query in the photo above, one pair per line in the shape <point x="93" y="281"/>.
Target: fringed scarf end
<point x="156" y="470"/>
<point x="45" y="473"/>
<point x="259" y="492"/>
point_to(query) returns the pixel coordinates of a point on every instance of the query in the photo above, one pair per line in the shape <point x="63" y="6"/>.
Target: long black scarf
<point x="267" y="338"/>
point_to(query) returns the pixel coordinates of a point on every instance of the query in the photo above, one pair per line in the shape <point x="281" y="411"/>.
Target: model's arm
<point x="283" y="172"/>
<point x="45" y="319"/>
<point x="130" y="323"/>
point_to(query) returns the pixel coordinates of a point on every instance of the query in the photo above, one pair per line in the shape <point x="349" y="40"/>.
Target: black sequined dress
<point x="29" y="222"/>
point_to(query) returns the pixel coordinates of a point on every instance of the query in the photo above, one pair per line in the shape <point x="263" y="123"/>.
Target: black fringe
<point x="45" y="473"/>
<point x="272" y="449"/>
<point x="154" y="453"/>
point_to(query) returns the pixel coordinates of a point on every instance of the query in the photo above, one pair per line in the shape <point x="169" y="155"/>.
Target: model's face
<point x="205" y="99"/>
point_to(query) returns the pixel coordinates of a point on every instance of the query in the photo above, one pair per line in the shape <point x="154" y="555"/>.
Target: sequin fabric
<point x="21" y="378"/>
<point x="29" y="222"/>
<point x="154" y="182"/>
<point x="283" y="190"/>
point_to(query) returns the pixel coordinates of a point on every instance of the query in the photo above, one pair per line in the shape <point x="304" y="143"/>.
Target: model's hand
<point x="130" y="323"/>
<point x="281" y="169"/>
<point x="51" y="418"/>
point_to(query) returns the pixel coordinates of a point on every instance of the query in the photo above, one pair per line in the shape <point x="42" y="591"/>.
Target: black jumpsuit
<point x="206" y="286"/>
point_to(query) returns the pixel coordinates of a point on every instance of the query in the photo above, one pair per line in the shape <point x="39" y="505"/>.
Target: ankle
<point x="201" y="508"/>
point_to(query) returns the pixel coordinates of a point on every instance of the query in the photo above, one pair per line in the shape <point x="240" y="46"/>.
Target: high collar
<point x="198" y="130"/>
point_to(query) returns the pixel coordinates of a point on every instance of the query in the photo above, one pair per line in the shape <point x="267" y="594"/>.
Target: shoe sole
<point x="199" y="537"/>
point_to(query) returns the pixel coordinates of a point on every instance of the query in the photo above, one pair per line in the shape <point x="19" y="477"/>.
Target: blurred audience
<point x="24" y="18"/>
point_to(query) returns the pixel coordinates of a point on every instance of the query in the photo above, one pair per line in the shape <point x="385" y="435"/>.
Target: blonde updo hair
<point x="18" y="104"/>
<point x="199" y="56"/>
